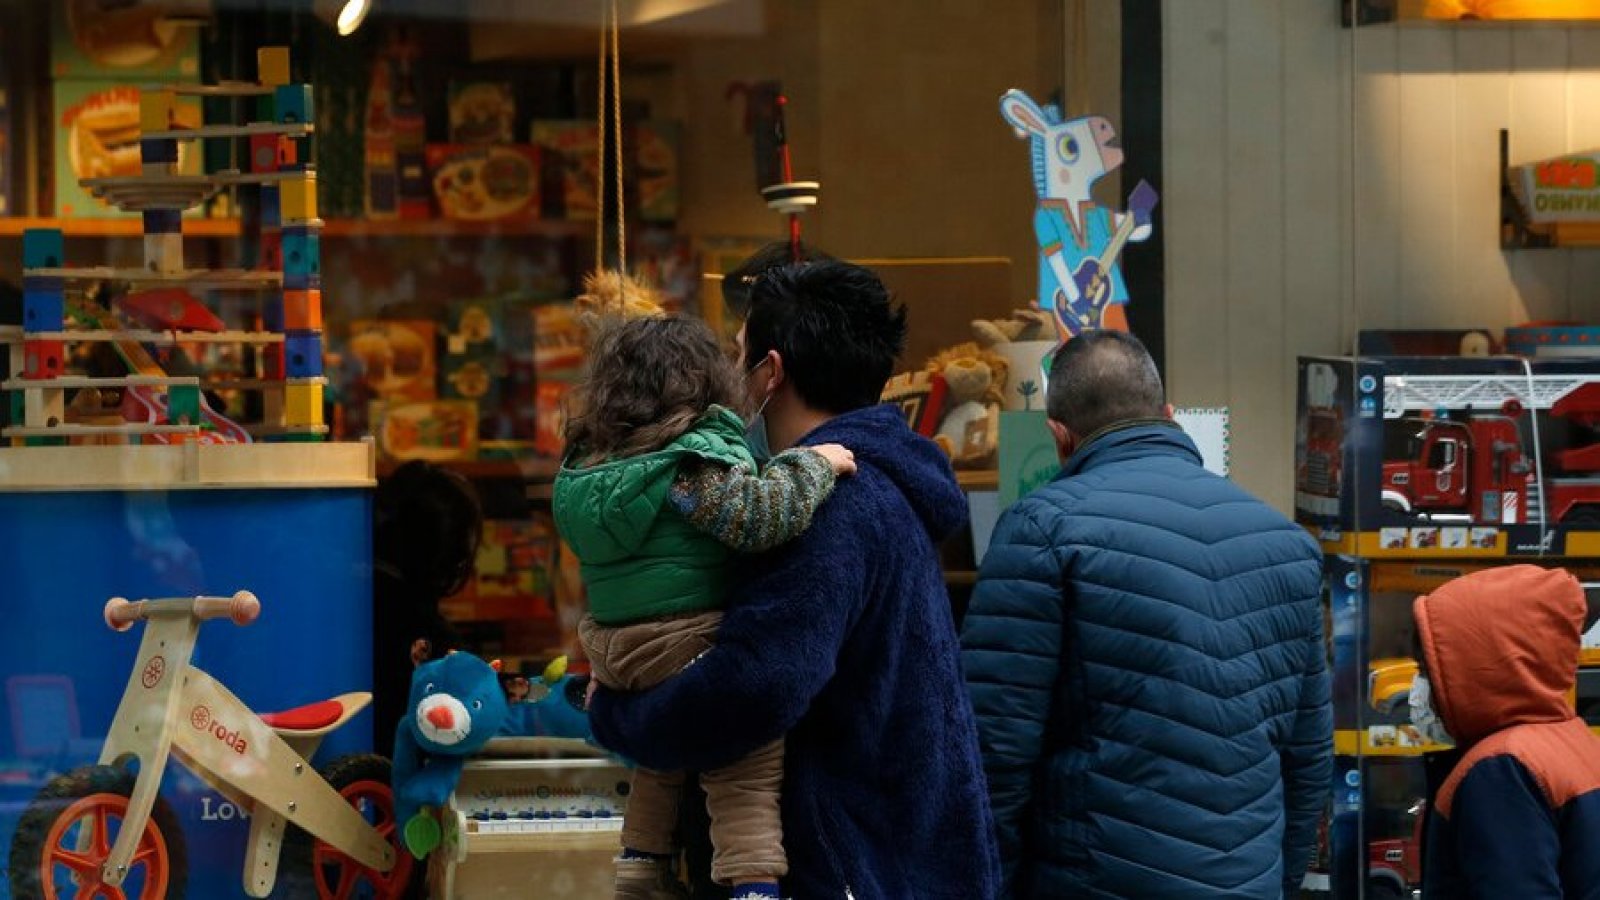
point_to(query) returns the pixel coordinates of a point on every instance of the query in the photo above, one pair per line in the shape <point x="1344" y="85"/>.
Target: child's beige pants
<point x="746" y="824"/>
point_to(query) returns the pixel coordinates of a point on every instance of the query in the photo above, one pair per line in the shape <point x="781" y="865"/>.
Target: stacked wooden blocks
<point x="291" y="244"/>
<point x="289" y="376"/>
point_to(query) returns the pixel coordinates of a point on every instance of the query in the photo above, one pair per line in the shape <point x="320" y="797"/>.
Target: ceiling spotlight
<point x="344" y="15"/>
<point x="352" y="15"/>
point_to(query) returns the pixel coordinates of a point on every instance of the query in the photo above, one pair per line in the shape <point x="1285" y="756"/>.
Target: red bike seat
<point x="311" y="717"/>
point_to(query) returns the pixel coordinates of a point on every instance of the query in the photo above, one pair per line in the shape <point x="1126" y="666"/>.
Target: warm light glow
<point x="1513" y="9"/>
<point x="351" y="17"/>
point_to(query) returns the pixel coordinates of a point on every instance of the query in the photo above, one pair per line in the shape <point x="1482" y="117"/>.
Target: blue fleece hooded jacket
<point x="1145" y="654"/>
<point x="843" y="641"/>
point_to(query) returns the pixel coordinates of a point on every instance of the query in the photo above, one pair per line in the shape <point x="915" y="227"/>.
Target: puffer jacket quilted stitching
<point x="1145" y="656"/>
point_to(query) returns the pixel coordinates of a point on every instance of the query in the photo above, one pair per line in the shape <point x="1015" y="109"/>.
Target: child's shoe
<point x="647" y="879"/>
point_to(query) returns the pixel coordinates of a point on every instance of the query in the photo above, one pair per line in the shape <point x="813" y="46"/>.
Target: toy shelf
<point x="22" y="384"/>
<point x="185" y="466"/>
<point x="1353" y="742"/>
<point x="14" y="226"/>
<point x="979" y="480"/>
<point x="151" y="337"/>
<point x="453" y="228"/>
<point x="535" y="470"/>
<point x="478" y="608"/>
<point x="194" y="279"/>
<point x="1518" y="233"/>
<point x="1581" y="542"/>
<point x="132" y="227"/>
<point x="67" y="430"/>
<point x="204" y="132"/>
<point x="221" y="89"/>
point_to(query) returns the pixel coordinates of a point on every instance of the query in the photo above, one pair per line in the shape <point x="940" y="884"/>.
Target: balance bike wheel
<point x="363" y="780"/>
<point x="67" y="832"/>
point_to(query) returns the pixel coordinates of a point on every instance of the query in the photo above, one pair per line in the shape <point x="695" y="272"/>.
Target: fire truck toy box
<point x="1450" y="456"/>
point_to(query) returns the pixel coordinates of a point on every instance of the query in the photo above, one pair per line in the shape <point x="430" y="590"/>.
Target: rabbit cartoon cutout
<point x="1079" y="241"/>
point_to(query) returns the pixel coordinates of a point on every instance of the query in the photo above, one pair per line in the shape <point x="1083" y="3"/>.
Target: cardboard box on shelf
<point x="97" y="135"/>
<point x="550" y="418"/>
<point x="655" y="170"/>
<point x="432" y="430"/>
<point x="481" y="112"/>
<point x="473" y="376"/>
<point x="558" y="339"/>
<point x="398" y="358"/>
<point x="1449" y="456"/>
<point x="517" y="559"/>
<point x="570" y="167"/>
<point x="484" y="183"/>
<point x="136" y="40"/>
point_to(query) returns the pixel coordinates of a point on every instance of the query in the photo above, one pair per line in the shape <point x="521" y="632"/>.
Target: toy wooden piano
<point x="532" y="818"/>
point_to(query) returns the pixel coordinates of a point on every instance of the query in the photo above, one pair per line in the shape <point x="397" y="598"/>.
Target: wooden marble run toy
<point x="158" y="407"/>
<point x="103" y="831"/>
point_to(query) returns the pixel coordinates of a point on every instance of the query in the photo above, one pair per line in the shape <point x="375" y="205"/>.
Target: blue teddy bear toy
<point x="457" y="706"/>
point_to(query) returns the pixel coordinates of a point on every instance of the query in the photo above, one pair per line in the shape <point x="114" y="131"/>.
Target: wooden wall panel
<point x="1321" y="181"/>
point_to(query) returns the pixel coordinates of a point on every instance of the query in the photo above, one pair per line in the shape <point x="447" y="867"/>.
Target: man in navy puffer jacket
<point x="1145" y="656"/>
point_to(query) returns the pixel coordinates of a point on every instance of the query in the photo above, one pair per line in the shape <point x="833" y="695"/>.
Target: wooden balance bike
<point x="103" y="833"/>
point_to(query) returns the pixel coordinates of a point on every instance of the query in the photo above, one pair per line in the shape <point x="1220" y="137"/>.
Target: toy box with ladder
<point x="1457" y="457"/>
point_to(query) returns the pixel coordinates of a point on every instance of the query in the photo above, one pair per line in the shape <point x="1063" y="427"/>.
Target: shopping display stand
<point x="1410" y="472"/>
<point x="160" y="495"/>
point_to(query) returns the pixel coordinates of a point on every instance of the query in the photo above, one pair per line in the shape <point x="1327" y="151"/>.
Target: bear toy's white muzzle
<point x="443" y="719"/>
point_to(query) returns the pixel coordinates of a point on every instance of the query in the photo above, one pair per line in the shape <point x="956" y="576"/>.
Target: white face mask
<point x="1427" y="722"/>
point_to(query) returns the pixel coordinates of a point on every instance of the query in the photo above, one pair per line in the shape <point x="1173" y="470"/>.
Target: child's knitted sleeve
<point x="752" y="511"/>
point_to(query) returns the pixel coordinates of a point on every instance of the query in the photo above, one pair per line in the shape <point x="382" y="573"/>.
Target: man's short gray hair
<point x="1103" y="378"/>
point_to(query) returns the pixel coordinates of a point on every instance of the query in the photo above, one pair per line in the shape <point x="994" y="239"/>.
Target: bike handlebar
<point x="242" y="608"/>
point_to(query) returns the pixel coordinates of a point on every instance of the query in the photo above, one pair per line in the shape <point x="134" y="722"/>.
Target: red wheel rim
<point x="337" y="875"/>
<point x="97" y="813"/>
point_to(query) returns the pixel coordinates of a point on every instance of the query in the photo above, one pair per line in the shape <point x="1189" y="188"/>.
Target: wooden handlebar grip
<point x="120" y="614"/>
<point x="242" y="608"/>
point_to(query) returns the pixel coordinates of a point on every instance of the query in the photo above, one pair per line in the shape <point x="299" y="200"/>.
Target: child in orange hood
<point x="1519" y="815"/>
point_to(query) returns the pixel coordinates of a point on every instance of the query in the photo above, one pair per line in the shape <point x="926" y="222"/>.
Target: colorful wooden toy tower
<point x="154" y="406"/>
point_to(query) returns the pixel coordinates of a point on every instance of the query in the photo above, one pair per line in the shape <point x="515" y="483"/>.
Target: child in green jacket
<point x="658" y="491"/>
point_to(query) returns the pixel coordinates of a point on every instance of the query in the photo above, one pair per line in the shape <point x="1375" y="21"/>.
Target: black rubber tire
<point x="33" y="830"/>
<point x="296" y="878"/>
<point x="1384" y="890"/>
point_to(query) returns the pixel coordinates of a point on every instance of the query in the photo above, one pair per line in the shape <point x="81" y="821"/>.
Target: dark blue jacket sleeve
<point x="1507" y="841"/>
<point x="777" y="648"/>
<point x="1011" y="644"/>
<point x="1307" y="759"/>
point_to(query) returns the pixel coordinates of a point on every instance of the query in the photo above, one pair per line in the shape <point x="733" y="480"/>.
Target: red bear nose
<point x="442" y="717"/>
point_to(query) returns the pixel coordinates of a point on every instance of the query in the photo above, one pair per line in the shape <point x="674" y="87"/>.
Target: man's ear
<point x="1064" y="439"/>
<point x="1168" y="411"/>
<point x="776" y="372"/>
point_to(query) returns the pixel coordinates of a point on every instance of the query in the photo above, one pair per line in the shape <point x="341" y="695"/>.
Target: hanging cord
<point x="610" y="45"/>
<point x="616" y="137"/>
<point x="600" y="146"/>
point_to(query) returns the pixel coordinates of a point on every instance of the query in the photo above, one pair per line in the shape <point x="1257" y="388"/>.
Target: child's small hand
<point x="842" y="460"/>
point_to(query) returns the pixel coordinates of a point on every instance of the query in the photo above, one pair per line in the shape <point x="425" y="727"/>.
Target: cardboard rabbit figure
<point x="1079" y="241"/>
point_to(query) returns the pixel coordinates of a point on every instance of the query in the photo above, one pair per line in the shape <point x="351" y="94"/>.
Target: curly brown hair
<point x="647" y="382"/>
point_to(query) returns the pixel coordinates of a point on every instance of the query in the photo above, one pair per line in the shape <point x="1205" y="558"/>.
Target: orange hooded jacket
<point x="1519" y="816"/>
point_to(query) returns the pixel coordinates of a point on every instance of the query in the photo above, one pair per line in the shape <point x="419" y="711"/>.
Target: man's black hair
<point x="1103" y="378"/>
<point x="834" y="325"/>
<point x="736" y="284"/>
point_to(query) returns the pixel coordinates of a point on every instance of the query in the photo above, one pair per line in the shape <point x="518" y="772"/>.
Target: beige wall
<point x="1321" y="180"/>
